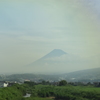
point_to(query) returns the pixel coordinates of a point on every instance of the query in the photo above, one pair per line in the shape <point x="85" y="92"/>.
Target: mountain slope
<point x="57" y="61"/>
<point x="84" y="75"/>
<point x="55" y="53"/>
<point x="89" y="75"/>
<point x="49" y="57"/>
<point x="48" y="63"/>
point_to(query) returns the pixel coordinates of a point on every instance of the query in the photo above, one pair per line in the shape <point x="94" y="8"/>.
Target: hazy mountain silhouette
<point x="47" y="58"/>
<point x="55" y="53"/>
<point x="84" y="75"/>
<point x="55" y="61"/>
<point x="88" y="75"/>
<point x="58" y="61"/>
<point x="48" y="62"/>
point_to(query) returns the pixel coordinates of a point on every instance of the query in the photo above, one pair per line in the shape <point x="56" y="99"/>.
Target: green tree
<point x="62" y="83"/>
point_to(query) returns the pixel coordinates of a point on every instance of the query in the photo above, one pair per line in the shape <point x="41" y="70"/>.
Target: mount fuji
<point x="54" y="54"/>
<point x="57" y="61"/>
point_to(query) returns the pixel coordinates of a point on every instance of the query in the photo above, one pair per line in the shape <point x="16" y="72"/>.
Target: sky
<point x="29" y="29"/>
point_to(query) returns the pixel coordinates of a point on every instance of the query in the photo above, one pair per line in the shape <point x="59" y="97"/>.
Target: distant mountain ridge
<point x="88" y="75"/>
<point x="92" y="74"/>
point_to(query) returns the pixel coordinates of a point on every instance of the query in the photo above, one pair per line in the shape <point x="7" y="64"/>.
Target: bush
<point x="62" y="83"/>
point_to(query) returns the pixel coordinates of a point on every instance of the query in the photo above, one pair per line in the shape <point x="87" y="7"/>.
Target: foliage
<point x="62" y="83"/>
<point x="14" y="92"/>
<point x="69" y="92"/>
<point x="48" y="92"/>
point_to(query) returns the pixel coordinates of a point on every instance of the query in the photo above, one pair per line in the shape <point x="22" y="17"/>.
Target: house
<point x="3" y="84"/>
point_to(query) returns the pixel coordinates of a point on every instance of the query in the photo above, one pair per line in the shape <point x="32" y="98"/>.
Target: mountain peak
<point x="57" y="50"/>
<point x="55" y="53"/>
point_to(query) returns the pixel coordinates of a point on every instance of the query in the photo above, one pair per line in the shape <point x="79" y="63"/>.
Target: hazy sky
<point x="29" y="29"/>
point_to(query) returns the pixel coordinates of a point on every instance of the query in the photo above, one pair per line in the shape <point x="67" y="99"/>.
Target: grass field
<point x="68" y="92"/>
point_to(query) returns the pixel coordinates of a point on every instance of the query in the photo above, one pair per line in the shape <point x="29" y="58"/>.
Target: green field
<point x="50" y="92"/>
<point x="69" y="92"/>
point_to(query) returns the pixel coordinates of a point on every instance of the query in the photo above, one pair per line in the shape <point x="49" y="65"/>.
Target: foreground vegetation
<point x="49" y="92"/>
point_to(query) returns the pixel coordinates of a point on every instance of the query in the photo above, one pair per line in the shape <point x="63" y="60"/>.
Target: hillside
<point x="89" y="75"/>
<point x="84" y="75"/>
